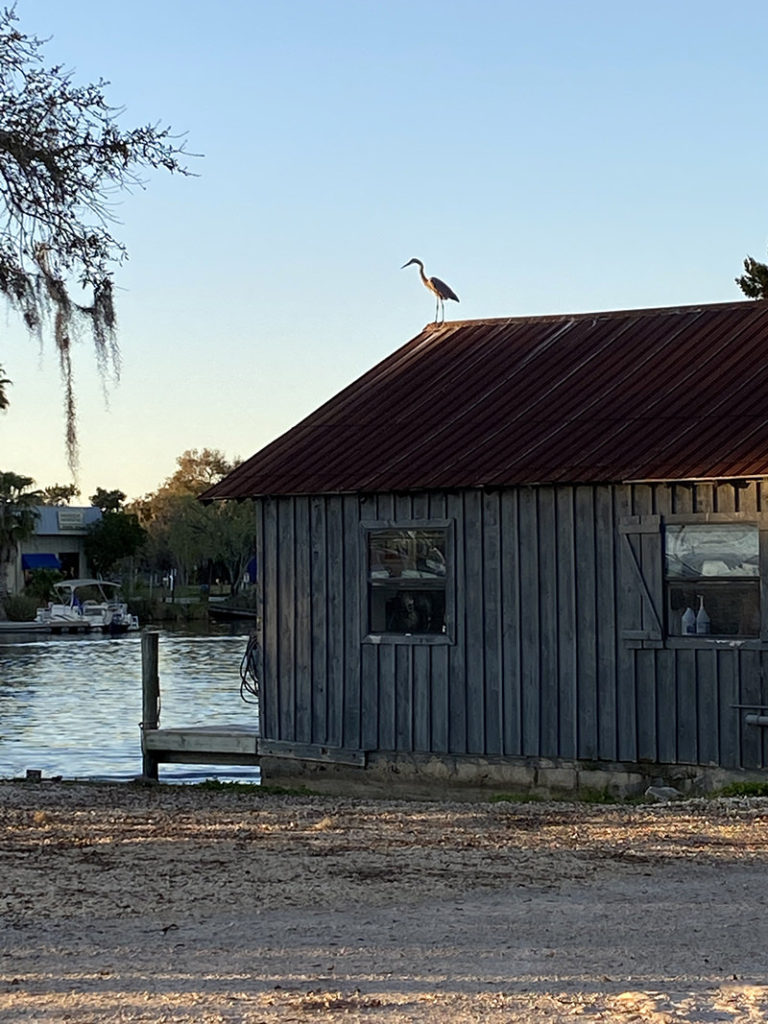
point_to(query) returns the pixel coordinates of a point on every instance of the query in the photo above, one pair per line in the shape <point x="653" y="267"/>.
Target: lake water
<point x="71" y="706"/>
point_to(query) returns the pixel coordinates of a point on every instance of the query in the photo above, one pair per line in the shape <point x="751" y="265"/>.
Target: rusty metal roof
<point x="679" y="393"/>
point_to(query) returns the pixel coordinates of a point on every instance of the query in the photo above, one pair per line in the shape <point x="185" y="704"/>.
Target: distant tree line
<point x="168" y="529"/>
<point x="202" y="543"/>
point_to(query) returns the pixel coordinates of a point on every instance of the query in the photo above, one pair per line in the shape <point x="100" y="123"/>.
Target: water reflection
<point x="71" y="705"/>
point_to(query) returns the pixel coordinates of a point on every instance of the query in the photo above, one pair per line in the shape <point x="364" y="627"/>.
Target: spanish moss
<point x="63" y="159"/>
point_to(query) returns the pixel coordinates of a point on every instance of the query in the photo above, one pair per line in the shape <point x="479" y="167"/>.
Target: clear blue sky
<point x="541" y="158"/>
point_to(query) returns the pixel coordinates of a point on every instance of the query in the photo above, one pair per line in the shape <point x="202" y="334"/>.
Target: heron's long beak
<point x="406" y="264"/>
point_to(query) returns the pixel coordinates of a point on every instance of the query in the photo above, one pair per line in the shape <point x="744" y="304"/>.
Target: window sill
<point x="412" y="639"/>
<point x="703" y="641"/>
<point x="697" y="643"/>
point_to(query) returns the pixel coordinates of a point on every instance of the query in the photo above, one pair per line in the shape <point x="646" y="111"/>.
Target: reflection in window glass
<point x="712" y="579"/>
<point x="406" y="580"/>
<point x="712" y="549"/>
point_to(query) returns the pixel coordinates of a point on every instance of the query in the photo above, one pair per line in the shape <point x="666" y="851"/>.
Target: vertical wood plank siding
<point x="537" y="662"/>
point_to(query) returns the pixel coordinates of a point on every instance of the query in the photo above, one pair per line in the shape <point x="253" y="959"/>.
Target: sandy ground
<point x="124" y="903"/>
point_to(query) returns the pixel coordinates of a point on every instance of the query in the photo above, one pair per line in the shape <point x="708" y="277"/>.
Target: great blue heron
<point x="440" y="288"/>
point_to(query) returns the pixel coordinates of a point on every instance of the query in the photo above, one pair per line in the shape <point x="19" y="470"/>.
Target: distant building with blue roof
<point x="57" y="543"/>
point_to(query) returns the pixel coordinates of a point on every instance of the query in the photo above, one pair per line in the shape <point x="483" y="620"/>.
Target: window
<point x="712" y="579"/>
<point x="407" y="575"/>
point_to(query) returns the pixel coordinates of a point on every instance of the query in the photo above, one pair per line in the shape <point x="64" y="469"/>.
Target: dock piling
<point x="150" y="690"/>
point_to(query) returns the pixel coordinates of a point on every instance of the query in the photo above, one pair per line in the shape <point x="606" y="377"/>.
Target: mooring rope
<point x="249" y="672"/>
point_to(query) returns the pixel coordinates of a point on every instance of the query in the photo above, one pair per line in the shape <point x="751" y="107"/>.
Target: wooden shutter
<point x="641" y="584"/>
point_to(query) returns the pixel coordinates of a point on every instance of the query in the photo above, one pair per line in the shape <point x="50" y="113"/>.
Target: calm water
<point x="71" y="706"/>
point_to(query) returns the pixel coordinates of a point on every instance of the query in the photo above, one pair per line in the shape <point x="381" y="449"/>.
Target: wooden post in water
<point x="150" y="705"/>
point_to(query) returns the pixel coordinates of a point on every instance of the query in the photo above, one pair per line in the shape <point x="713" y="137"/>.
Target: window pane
<point x="732" y="607"/>
<point x="415" y="554"/>
<point x="407" y="610"/>
<point x="712" y="572"/>
<point x="406" y="580"/>
<point x="712" y="550"/>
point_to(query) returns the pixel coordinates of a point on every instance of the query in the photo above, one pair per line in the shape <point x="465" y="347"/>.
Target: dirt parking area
<point x="126" y="903"/>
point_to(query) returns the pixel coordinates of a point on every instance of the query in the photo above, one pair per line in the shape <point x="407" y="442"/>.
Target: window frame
<point x="710" y="585"/>
<point x="651" y="579"/>
<point x="367" y="527"/>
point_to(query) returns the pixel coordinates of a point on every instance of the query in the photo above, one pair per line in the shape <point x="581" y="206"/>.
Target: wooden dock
<point x="213" y="744"/>
<point x="200" y="745"/>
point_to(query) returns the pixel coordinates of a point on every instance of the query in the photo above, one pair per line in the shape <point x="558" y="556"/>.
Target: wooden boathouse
<point x="526" y="553"/>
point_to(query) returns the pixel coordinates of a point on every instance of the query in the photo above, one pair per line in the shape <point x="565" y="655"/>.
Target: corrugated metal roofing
<point x="56" y="519"/>
<point x="679" y="393"/>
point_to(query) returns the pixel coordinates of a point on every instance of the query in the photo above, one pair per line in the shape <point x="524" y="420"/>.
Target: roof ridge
<point x="586" y="314"/>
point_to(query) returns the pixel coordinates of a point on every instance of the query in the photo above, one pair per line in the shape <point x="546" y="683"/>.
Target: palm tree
<point x="18" y="516"/>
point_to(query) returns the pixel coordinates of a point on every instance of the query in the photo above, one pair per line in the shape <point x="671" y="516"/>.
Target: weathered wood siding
<point x="539" y="664"/>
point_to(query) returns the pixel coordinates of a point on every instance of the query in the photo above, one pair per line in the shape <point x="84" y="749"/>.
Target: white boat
<point x="87" y="605"/>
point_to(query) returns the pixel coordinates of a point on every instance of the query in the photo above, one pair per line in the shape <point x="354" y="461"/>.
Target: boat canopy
<point x="106" y="589"/>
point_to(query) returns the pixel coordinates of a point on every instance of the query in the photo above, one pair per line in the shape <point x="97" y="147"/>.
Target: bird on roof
<point x="440" y="288"/>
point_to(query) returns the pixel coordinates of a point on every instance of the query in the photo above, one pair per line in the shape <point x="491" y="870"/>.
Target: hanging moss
<point x="63" y="158"/>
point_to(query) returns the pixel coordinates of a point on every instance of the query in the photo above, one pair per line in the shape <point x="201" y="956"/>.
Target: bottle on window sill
<point x="702" y="619"/>
<point x="689" y="621"/>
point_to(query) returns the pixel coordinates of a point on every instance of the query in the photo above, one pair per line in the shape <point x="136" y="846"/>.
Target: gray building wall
<point x="552" y="649"/>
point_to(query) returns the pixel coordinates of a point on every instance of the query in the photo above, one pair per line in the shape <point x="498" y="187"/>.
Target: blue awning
<point x="40" y="562"/>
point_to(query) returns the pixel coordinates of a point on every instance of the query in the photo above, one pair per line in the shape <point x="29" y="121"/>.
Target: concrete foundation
<point x="444" y="777"/>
